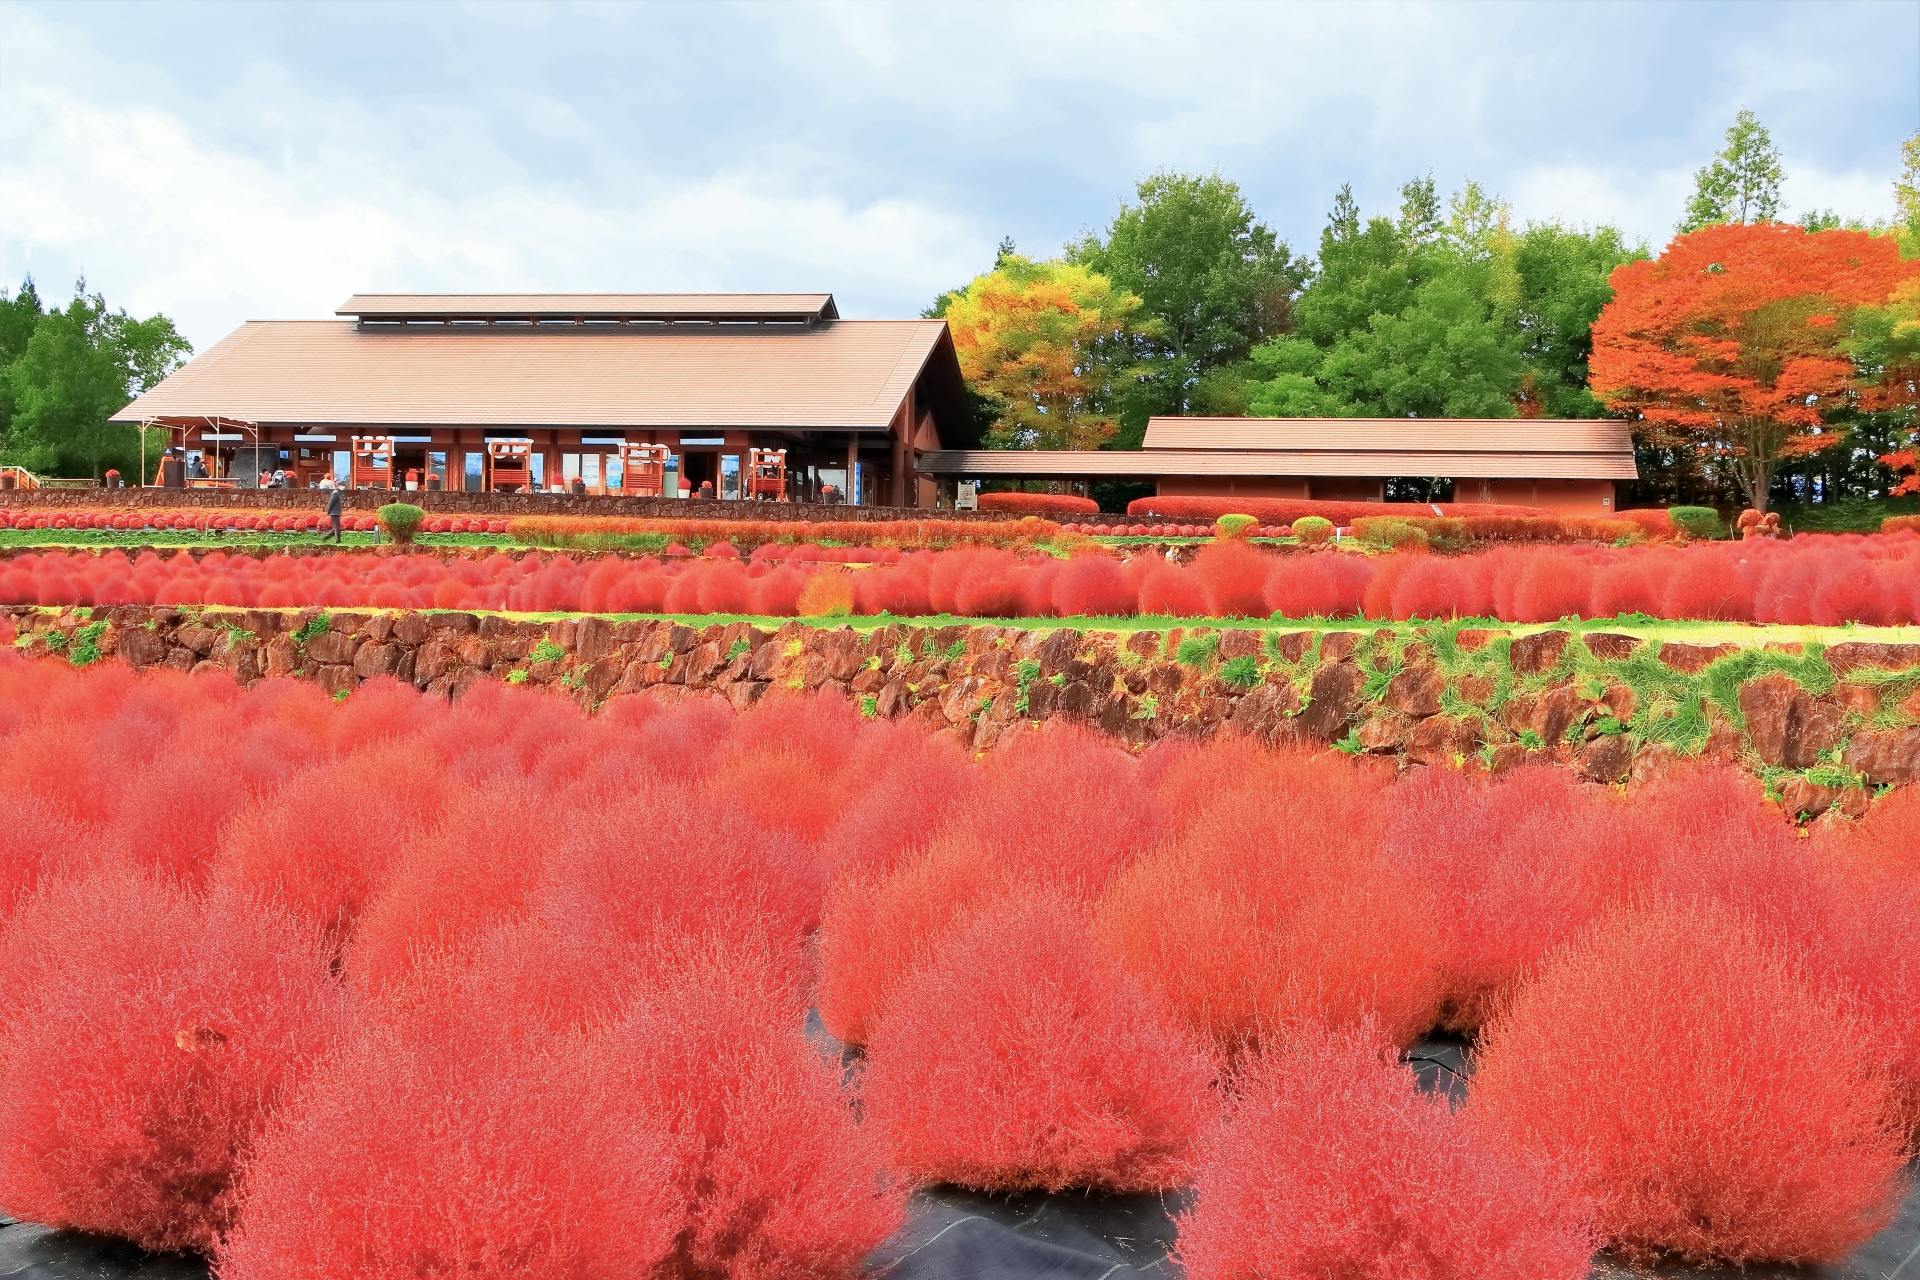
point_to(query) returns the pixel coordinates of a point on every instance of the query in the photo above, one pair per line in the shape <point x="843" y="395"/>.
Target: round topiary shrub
<point x="1697" y="522"/>
<point x="1022" y="1058"/>
<point x="1376" y="1179"/>
<point x="400" y="521"/>
<point x="1313" y="530"/>
<point x="1235" y="526"/>
<point x="147" y="1032"/>
<point x="1743" y="1119"/>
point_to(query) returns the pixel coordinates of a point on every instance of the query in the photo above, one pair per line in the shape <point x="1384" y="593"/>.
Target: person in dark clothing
<point x="333" y="512"/>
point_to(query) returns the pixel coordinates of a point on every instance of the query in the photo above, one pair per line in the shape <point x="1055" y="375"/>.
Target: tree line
<point x="1789" y="374"/>
<point x="65" y="371"/>
<point x="1188" y="304"/>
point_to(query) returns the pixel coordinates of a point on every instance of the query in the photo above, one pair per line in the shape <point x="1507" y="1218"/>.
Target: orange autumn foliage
<point x="1733" y="338"/>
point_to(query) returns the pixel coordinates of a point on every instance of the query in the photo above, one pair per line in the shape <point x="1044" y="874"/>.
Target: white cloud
<point x="132" y="197"/>
<point x="220" y="163"/>
<point x="1643" y="205"/>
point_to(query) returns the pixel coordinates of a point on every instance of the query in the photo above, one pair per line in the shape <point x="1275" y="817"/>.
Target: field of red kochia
<point x="1820" y="580"/>
<point x="295" y="983"/>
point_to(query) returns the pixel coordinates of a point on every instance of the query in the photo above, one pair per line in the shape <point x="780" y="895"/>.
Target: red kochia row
<point x="1873" y="579"/>
<point x="273" y="984"/>
<point x="240" y="521"/>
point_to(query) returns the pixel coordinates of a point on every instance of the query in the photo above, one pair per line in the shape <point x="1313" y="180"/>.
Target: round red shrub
<point x="1023" y="1059"/>
<point x="1231" y="576"/>
<point x="1323" y="586"/>
<point x="446" y="888"/>
<point x="1711" y="1130"/>
<point x="1514" y="867"/>
<point x="325" y="869"/>
<point x="146" y="1032"/>
<point x="1332" y="1164"/>
<point x="1092" y="586"/>
<point x="465" y="1144"/>
<point x="1275" y="908"/>
<point x="1059" y="810"/>
<point x="773" y="1177"/>
<point x="663" y="861"/>
<point x="1038" y="504"/>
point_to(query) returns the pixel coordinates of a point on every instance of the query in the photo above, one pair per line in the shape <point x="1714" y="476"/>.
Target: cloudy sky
<point x="235" y="161"/>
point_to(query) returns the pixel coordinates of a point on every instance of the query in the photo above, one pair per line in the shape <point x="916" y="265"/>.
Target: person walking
<point x="333" y="511"/>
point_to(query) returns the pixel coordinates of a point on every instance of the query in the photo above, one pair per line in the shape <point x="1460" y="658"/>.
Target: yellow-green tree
<point x="1034" y="337"/>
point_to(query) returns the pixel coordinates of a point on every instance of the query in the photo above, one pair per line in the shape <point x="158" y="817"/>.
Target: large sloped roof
<point x="833" y="375"/>
<point x="1149" y="463"/>
<point x="1489" y="448"/>
<point x="1464" y="448"/>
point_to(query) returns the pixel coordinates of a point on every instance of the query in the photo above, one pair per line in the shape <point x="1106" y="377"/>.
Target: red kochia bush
<point x="1514" y="867"/>
<point x="772" y="1176"/>
<point x="1024" y="1059"/>
<point x="323" y="843"/>
<point x="1743" y="1118"/>
<point x="146" y="1032"/>
<point x="1039" y="504"/>
<point x="467" y="1144"/>
<point x="1060" y="810"/>
<point x="1232" y="574"/>
<point x="1333" y="1165"/>
<point x="446" y="889"/>
<point x="1275" y="909"/>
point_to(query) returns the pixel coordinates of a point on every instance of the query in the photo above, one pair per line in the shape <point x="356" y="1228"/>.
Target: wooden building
<point x="1568" y="465"/>
<point x="433" y="385"/>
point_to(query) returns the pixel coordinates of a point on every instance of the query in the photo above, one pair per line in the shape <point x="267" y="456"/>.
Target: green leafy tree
<point x="1215" y="279"/>
<point x="1743" y="182"/>
<point x="1561" y="283"/>
<point x="1906" y="199"/>
<point x="19" y="315"/>
<point x="1446" y="311"/>
<point x="78" y="368"/>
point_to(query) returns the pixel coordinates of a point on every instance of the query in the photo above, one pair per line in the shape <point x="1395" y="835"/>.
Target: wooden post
<point x="852" y="496"/>
<point x="902" y="453"/>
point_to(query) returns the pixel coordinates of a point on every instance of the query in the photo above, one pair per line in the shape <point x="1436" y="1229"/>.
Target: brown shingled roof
<point x="838" y="375"/>
<point x="1572" y="436"/>
<point x="1148" y="463"/>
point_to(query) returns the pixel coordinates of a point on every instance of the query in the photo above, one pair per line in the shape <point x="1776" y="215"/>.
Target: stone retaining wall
<point x="983" y="683"/>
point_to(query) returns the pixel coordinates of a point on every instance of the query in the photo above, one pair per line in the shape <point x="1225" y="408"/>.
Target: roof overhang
<point x="1147" y="464"/>
<point x="589" y="308"/>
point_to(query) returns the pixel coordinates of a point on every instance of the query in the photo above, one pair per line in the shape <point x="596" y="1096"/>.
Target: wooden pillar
<point x="902" y="452"/>
<point x="852" y="495"/>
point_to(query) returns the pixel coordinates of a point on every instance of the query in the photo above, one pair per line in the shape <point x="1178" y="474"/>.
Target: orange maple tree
<point x="1734" y="340"/>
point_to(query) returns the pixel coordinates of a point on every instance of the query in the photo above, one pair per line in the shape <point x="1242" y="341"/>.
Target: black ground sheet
<point x="953" y="1234"/>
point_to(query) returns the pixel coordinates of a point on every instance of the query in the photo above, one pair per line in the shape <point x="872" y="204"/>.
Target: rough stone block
<point x="1538" y="653"/>
<point x="1415" y="692"/>
<point x="1889" y="757"/>
<point x="1611" y="646"/>
<point x="376" y="660"/>
<point x="1692" y="659"/>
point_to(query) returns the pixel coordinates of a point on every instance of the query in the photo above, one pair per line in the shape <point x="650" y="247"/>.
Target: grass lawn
<point x="1654" y="629"/>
